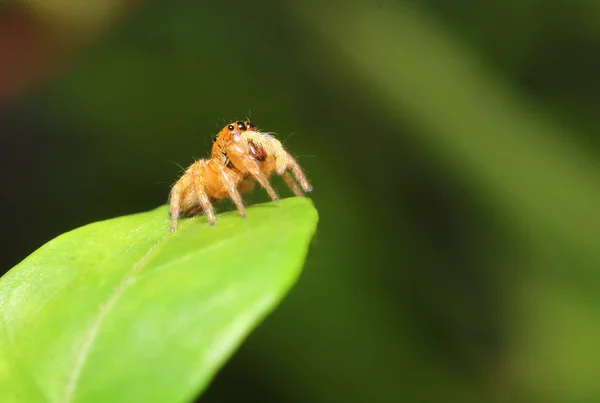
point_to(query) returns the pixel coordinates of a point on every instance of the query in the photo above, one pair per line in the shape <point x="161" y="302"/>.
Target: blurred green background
<point x="452" y="147"/>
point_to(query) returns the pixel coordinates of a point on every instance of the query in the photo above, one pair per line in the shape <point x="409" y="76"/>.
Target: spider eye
<point x="250" y="125"/>
<point x="230" y="127"/>
<point x="241" y="125"/>
<point x="215" y="138"/>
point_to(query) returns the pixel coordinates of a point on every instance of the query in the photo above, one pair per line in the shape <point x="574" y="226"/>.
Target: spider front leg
<point x="246" y="163"/>
<point x="282" y="161"/>
<point x="230" y="185"/>
<point x="298" y="173"/>
<point x="291" y="182"/>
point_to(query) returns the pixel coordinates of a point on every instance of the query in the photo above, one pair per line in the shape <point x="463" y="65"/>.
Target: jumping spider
<point x="240" y="156"/>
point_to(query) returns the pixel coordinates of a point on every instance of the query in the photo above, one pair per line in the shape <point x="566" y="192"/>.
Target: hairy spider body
<point x="241" y="155"/>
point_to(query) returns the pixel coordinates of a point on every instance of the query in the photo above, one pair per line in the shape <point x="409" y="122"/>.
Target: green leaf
<point x="124" y="311"/>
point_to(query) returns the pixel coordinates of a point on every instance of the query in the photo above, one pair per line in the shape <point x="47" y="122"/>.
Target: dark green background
<point x="453" y="151"/>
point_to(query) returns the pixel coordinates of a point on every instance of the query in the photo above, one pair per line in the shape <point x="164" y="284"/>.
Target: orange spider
<point x="240" y="156"/>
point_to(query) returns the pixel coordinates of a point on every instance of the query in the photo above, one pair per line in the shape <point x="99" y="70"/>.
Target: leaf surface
<point x="122" y="310"/>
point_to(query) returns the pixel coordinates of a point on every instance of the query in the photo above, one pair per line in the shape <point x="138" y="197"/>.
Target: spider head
<point x="241" y="126"/>
<point x="235" y="128"/>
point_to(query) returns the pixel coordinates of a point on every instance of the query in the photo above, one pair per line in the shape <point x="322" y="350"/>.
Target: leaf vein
<point x="94" y="327"/>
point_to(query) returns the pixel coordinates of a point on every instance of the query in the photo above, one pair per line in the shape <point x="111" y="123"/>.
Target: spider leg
<point x="230" y="185"/>
<point x="175" y="206"/>
<point x="298" y="173"/>
<point x="291" y="182"/>
<point x="246" y="163"/>
<point x="203" y="197"/>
